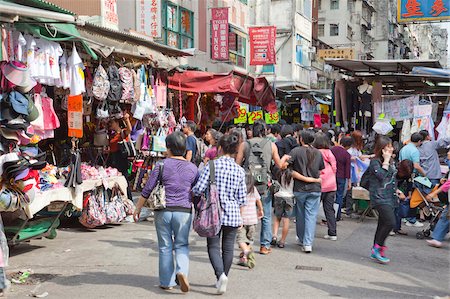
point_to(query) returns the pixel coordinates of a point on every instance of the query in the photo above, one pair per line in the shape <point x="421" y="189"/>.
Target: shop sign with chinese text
<point x="422" y="10"/>
<point x="219" y="33"/>
<point x="262" y="45"/>
<point x="341" y="53"/>
<point x="109" y="14"/>
<point x="148" y="17"/>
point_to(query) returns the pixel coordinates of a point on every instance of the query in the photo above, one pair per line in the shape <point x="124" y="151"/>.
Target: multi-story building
<point x="348" y="24"/>
<point x="429" y="41"/>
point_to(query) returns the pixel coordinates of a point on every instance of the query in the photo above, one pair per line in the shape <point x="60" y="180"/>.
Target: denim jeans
<point x="222" y="262"/>
<point x="402" y="211"/>
<point x="172" y="229"/>
<point x="442" y="227"/>
<point x="307" y="207"/>
<point x="266" y="222"/>
<point x="340" y="194"/>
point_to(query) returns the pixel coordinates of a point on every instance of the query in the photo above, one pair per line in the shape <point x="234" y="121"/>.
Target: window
<point x="321" y="31"/>
<point x="319" y="4"/>
<point x="351" y="5"/>
<point x="302" y="51"/>
<point x="349" y="32"/>
<point x="268" y="69"/>
<point x="334" y="4"/>
<point x="366" y="14"/>
<point x="178" y="27"/>
<point x="237" y="44"/>
<point x="334" y="29"/>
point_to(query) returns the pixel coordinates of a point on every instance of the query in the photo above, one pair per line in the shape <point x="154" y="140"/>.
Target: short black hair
<point x="416" y="137"/>
<point x="275" y="129"/>
<point x="346" y="141"/>
<point x="229" y="143"/>
<point x="176" y="143"/>
<point x="307" y="136"/>
<point x="286" y="130"/>
<point x="191" y="125"/>
<point x="424" y="134"/>
<point x="321" y="141"/>
<point x="259" y="129"/>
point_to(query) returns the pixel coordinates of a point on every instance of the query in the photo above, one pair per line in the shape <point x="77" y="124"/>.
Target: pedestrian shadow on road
<point x="398" y="291"/>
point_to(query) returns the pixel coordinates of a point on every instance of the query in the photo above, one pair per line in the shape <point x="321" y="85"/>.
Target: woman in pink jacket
<point x="329" y="187"/>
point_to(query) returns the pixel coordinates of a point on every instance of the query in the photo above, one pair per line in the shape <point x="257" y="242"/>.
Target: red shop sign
<point x="219" y="34"/>
<point x="262" y="45"/>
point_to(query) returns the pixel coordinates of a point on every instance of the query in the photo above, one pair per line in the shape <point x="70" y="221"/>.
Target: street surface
<point x="122" y="262"/>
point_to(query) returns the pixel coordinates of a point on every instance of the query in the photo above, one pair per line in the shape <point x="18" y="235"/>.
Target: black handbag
<point x="127" y="148"/>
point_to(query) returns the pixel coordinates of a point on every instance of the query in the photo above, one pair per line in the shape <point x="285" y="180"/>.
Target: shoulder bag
<point x="207" y="215"/>
<point x="157" y="198"/>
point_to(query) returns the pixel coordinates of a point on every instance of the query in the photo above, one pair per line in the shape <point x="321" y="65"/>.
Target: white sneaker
<point x="222" y="284"/>
<point x="298" y="241"/>
<point x="415" y="224"/>
<point x="391" y="233"/>
<point x="307" y="248"/>
<point x="331" y="238"/>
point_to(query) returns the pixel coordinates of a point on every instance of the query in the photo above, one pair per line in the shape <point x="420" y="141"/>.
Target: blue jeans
<point x="402" y="211"/>
<point x="307" y="207"/>
<point x="340" y="194"/>
<point x="266" y="222"/>
<point x="172" y="229"/>
<point x="442" y="227"/>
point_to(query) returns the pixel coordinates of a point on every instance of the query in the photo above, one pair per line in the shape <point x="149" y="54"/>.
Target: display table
<point x="71" y="195"/>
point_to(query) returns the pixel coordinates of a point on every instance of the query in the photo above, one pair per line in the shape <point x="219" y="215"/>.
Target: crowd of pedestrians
<point x="285" y="172"/>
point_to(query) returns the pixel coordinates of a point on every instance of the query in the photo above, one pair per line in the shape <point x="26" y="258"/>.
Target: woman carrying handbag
<point x="173" y="222"/>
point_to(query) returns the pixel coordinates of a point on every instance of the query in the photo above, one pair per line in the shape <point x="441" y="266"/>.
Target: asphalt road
<point x="122" y="262"/>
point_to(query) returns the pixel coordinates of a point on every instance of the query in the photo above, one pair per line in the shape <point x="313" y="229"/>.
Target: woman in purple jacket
<point x="174" y="222"/>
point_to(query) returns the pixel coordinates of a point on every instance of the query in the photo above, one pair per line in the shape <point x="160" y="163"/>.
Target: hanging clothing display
<point x="340" y="102"/>
<point x="444" y="127"/>
<point x="308" y="108"/>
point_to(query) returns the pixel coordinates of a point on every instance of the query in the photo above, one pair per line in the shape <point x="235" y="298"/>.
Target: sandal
<point x="281" y="245"/>
<point x="274" y="241"/>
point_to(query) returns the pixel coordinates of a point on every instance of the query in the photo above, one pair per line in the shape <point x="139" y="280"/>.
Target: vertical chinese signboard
<point x="219" y="33"/>
<point x="109" y="14"/>
<point x="422" y="10"/>
<point x="262" y="45"/>
<point x="148" y="17"/>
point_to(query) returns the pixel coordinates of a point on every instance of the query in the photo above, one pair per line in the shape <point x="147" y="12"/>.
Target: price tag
<point x="242" y="116"/>
<point x="254" y="116"/>
<point x="272" y="118"/>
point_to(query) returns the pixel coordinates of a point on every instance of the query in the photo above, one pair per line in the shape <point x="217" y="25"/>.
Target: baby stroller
<point x="430" y="208"/>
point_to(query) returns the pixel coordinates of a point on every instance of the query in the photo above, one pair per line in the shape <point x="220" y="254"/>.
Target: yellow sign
<point x="272" y="118"/>
<point x="343" y="53"/>
<point x="254" y="116"/>
<point x="242" y="116"/>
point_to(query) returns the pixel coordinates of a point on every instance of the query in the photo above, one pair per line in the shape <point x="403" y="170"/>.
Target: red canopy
<point x="250" y="90"/>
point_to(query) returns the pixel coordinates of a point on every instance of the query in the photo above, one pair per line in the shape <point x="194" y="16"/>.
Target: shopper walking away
<point x="174" y="222"/>
<point x="189" y="129"/>
<point x="117" y="159"/>
<point x="429" y="158"/>
<point x="343" y="160"/>
<point x="383" y="194"/>
<point x="329" y="186"/>
<point x="442" y="226"/>
<point x="308" y="162"/>
<point x="251" y="212"/>
<point x="230" y="180"/>
<point x="257" y="154"/>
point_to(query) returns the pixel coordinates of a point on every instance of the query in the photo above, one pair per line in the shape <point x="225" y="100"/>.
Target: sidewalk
<point x="122" y="262"/>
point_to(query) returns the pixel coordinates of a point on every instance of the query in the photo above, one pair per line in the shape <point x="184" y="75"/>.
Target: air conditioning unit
<point x="312" y="50"/>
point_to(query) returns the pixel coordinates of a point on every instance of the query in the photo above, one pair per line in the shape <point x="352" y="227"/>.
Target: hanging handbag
<point x="101" y="138"/>
<point x="126" y="148"/>
<point x="161" y="93"/>
<point x="146" y="140"/>
<point x="114" y="208"/>
<point x="100" y="84"/>
<point x="159" y="141"/>
<point x="137" y="130"/>
<point x="157" y="198"/>
<point x="128" y="205"/>
<point x="87" y="106"/>
<point x="102" y="111"/>
<point x="207" y="213"/>
<point x="93" y="213"/>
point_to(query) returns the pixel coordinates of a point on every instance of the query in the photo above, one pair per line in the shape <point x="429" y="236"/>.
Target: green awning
<point x="55" y="32"/>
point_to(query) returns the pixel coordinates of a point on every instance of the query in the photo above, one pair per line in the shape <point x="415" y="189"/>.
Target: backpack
<point x="201" y="149"/>
<point x="126" y="77"/>
<point x="258" y="167"/>
<point x="115" y="90"/>
<point x="365" y="179"/>
<point x="207" y="212"/>
<point x="100" y="84"/>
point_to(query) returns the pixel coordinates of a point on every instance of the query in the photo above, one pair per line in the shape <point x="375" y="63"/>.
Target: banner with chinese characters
<point x="75" y="116"/>
<point x="148" y="17"/>
<point x="110" y="18"/>
<point x="422" y="10"/>
<point x="262" y="45"/>
<point x="219" y="33"/>
<point x="342" y="53"/>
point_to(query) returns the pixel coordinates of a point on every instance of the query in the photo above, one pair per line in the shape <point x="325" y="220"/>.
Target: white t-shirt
<point x="64" y="81"/>
<point x="47" y="55"/>
<point x="30" y="54"/>
<point x="76" y="71"/>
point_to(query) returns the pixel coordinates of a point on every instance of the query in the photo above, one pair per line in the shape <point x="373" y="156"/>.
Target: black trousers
<point x="328" y="199"/>
<point x="221" y="262"/>
<point x="386" y="223"/>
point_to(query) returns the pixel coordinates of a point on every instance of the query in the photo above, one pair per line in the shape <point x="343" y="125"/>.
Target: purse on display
<point x="114" y="208"/>
<point x="87" y="106"/>
<point x="207" y="212"/>
<point x="161" y="93"/>
<point x="127" y="148"/>
<point x="144" y="104"/>
<point x="102" y="110"/>
<point x="159" y="141"/>
<point x="93" y="214"/>
<point x="157" y="199"/>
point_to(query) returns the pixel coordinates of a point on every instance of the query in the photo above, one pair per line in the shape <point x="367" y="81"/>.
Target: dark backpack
<point x="200" y="149"/>
<point x="257" y="166"/>
<point x="115" y="90"/>
<point x="365" y="179"/>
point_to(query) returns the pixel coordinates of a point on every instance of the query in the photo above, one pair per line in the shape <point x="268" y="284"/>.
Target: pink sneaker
<point x="434" y="243"/>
